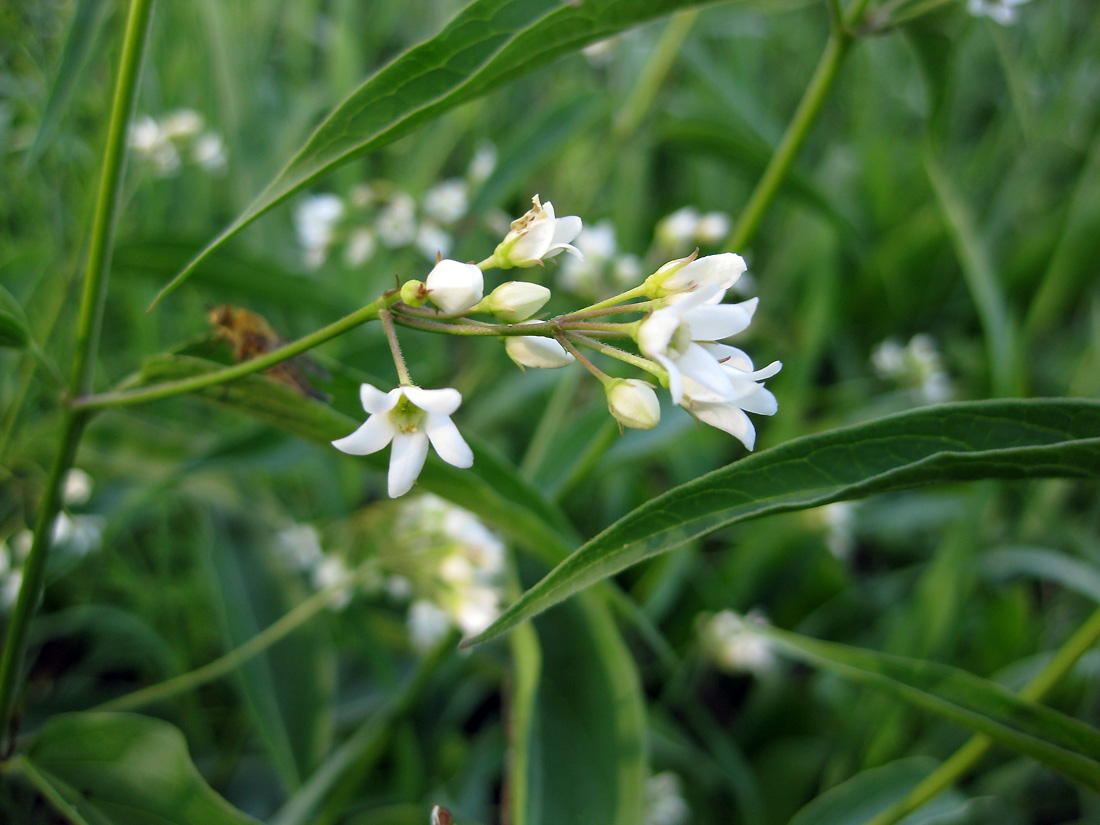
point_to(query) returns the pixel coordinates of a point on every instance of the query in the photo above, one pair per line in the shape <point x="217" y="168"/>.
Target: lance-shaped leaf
<point x="1065" y="744"/>
<point x="490" y="43"/>
<point x="954" y="442"/>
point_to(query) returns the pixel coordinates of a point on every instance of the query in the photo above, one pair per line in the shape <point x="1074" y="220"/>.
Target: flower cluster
<point x="999" y="11"/>
<point x="179" y="137"/>
<point x="686" y="227"/>
<point x="730" y="641"/>
<point x="680" y="337"/>
<point x="917" y="367"/>
<point x="379" y="215"/>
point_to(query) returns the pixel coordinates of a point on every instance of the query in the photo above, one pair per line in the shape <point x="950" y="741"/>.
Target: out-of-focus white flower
<point x="517" y="301"/>
<point x="712" y="228"/>
<point x="665" y="804"/>
<point x="315" y="221"/>
<point x="626" y="270"/>
<point x="538" y="352"/>
<point x="77" y="488"/>
<point x="396" y="223"/>
<point x="398" y="587"/>
<point x="300" y="545"/>
<point x="597" y="245"/>
<point x="432" y="241"/>
<point x="536" y="236"/>
<point x="482" y="164"/>
<point x="209" y="152"/>
<point x="329" y="572"/>
<point x="672" y="337"/>
<point x="428" y="624"/>
<point x="181" y="124"/>
<point x="601" y="52"/>
<point x="678" y="230"/>
<point x="454" y="287"/>
<point x="21" y="544"/>
<point x="5" y="558"/>
<point x="9" y="589"/>
<point x="410" y="417"/>
<point x="360" y="247"/>
<point x="361" y="195"/>
<point x="733" y="645"/>
<point x="726" y="412"/>
<point x="839" y="518"/>
<point x="917" y="365"/>
<point x="633" y="403"/>
<point x="999" y="11"/>
<point x="686" y="274"/>
<point x="87" y="534"/>
<point x="447" y="201"/>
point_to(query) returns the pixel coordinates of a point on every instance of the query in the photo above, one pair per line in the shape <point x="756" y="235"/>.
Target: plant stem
<point x="273" y="633"/>
<point x="122" y="398"/>
<point x="622" y="355"/>
<point x="639" y="291"/>
<point x="395" y="349"/>
<point x="87" y="337"/>
<point x="840" y="41"/>
<point x="965" y="757"/>
<point x="600" y="375"/>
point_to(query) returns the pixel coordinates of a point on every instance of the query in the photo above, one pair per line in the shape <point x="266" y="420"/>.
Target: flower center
<point x="681" y="340"/>
<point x="406" y="416"/>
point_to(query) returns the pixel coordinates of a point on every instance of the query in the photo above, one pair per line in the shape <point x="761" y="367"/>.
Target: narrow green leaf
<point x="123" y="769"/>
<point x="1059" y="741"/>
<point x="490" y="43"/>
<point x="953" y="442"/>
<point x="870" y="792"/>
<point x="1050" y="565"/>
<point x="13" y="322"/>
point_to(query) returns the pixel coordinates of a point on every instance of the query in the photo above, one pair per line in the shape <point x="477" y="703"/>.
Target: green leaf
<point x="1049" y="565"/>
<point x="122" y="769"/>
<point x="870" y="792"/>
<point x="13" y="322"/>
<point x="953" y="442"/>
<point x="490" y="43"/>
<point x="1059" y="741"/>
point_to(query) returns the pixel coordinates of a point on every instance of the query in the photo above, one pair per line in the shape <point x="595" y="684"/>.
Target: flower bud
<point x="688" y="273"/>
<point x="517" y="300"/>
<point x="538" y="352"/>
<point x="633" y="403"/>
<point x="454" y="287"/>
<point x="414" y="293"/>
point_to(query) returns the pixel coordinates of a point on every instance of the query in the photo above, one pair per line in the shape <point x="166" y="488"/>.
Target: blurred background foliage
<point x="950" y="191"/>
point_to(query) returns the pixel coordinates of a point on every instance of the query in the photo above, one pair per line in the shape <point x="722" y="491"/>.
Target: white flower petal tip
<point x="538" y="235"/>
<point x="408" y="418"/>
<point x="454" y="287"/>
<point x="686" y="274"/>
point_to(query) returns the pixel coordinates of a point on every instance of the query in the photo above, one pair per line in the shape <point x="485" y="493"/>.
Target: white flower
<point x="665" y="803"/>
<point x="999" y="11"/>
<point x="598" y="245"/>
<point x="396" y="224"/>
<point x="77" y="488"/>
<point x="209" y="152"/>
<point x="536" y="236"/>
<point x="917" y="365"/>
<point x="454" y="287"/>
<point x="9" y="589"/>
<point x="315" y="218"/>
<point x="536" y="351"/>
<point x="633" y="403"/>
<point x="685" y="274"/>
<point x="300" y="545"/>
<point x="516" y="301"/>
<point x="181" y="124"/>
<point x="447" y="201"/>
<point x="410" y="417"/>
<point x="679" y="229"/>
<point x="727" y="413"/>
<point x="428" y="624"/>
<point x="671" y="336"/>
<point x="626" y="270"/>
<point x="432" y="241"/>
<point x="712" y="228"/>
<point x="360" y="247"/>
<point x="330" y="572"/>
<point x="482" y="164"/>
<point x="145" y="135"/>
<point x="734" y="645"/>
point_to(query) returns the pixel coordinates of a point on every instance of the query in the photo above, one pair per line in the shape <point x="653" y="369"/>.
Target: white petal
<point x="699" y="365"/>
<point x="766" y="372"/>
<point x="406" y="461"/>
<point x="712" y="323"/>
<point x="655" y="332"/>
<point x="761" y="402"/>
<point x="675" y="381"/>
<point x="727" y="418"/>
<point x="377" y="402"/>
<point x="538" y="352"/>
<point x="705" y="294"/>
<point x="718" y="270"/>
<point x="565" y="230"/>
<point x="444" y="401"/>
<point x="371" y="437"/>
<point x="448" y="441"/>
<point x="533" y="245"/>
<point x="730" y="357"/>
